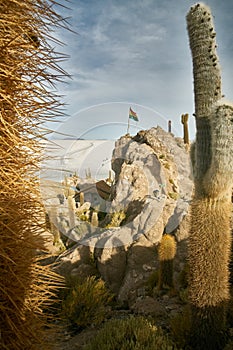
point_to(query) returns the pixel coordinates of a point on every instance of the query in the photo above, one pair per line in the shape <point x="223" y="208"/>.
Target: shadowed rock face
<point x="153" y="187"/>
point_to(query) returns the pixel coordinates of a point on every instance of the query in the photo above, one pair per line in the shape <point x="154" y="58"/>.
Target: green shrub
<point x="173" y="195"/>
<point x="86" y="302"/>
<point x="134" y="333"/>
<point x="180" y="327"/>
<point x="116" y="219"/>
<point x="162" y="156"/>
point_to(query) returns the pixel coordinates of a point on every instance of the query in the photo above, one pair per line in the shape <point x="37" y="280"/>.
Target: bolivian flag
<point x="133" y="115"/>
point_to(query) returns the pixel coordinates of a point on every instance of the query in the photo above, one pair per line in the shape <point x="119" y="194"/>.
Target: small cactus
<point x="184" y="121"/>
<point x="109" y="180"/>
<point x="94" y="219"/>
<point x="71" y="208"/>
<point x="166" y="252"/>
<point x="88" y="173"/>
<point x="81" y="198"/>
<point x="169" y="126"/>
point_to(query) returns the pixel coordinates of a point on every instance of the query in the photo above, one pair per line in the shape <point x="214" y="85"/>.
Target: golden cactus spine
<point x="25" y="102"/>
<point x="166" y="253"/>
<point x="184" y="121"/>
<point x="212" y="157"/>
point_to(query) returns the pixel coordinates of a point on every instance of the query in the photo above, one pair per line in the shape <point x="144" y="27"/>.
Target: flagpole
<point x="128" y="125"/>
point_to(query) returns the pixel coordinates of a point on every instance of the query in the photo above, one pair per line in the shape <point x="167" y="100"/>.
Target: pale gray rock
<point x="111" y="263"/>
<point x="153" y="186"/>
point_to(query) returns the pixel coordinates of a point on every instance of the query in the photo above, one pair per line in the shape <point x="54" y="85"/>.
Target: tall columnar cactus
<point x="27" y="65"/>
<point x="210" y="238"/>
<point x="166" y="253"/>
<point x="184" y="121"/>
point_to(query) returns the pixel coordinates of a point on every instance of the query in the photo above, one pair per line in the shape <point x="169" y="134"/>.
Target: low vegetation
<point x="86" y="303"/>
<point x="133" y="333"/>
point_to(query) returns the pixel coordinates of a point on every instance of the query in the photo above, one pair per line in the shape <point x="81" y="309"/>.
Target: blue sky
<point x="134" y="53"/>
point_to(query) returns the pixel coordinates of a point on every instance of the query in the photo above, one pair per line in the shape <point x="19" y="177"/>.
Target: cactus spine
<point x="166" y="252"/>
<point x="27" y="64"/>
<point x="210" y="238"/>
<point x="184" y="121"/>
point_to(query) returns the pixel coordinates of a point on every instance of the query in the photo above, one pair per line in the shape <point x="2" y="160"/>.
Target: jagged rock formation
<point x="153" y="187"/>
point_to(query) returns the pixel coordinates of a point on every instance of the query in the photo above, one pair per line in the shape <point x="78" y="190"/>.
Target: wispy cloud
<point x="137" y="51"/>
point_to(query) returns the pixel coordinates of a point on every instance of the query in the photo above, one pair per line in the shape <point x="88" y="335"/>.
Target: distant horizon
<point x="68" y="156"/>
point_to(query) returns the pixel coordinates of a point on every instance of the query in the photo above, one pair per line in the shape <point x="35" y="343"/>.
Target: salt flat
<point x="83" y="157"/>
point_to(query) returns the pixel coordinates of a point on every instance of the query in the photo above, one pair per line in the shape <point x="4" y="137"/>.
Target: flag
<point x="133" y="115"/>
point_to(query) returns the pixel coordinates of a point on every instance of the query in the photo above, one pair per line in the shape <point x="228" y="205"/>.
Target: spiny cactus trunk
<point x="166" y="252"/>
<point x="210" y="238"/>
<point x="209" y="250"/>
<point x="25" y="285"/>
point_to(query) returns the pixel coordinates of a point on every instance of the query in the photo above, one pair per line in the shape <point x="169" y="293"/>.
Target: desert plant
<point x="86" y="302"/>
<point x="210" y="238"/>
<point x="28" y="64"/>
<point x="133" y="333"/>
<point x="184" y="121"/>
<point x="173" y="195"/>
<point x="116" y="219"/>
<point x="88" y="173"/>
<point x="169" y="126"/>
<point x="109" y="180"/>
<point x="81" y="198"/>
<point x="71" y="210"/>
<point x="94" y="219"/>
<point x="166" y="253"/>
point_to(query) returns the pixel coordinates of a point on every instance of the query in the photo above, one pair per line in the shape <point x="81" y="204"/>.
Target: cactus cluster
<point x="212" y="157"/>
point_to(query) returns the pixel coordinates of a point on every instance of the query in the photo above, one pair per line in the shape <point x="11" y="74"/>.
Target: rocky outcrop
<point x="153" y="187"/>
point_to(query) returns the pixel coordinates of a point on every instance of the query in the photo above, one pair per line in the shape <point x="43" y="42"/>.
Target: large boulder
<point x="153" y="187"/>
